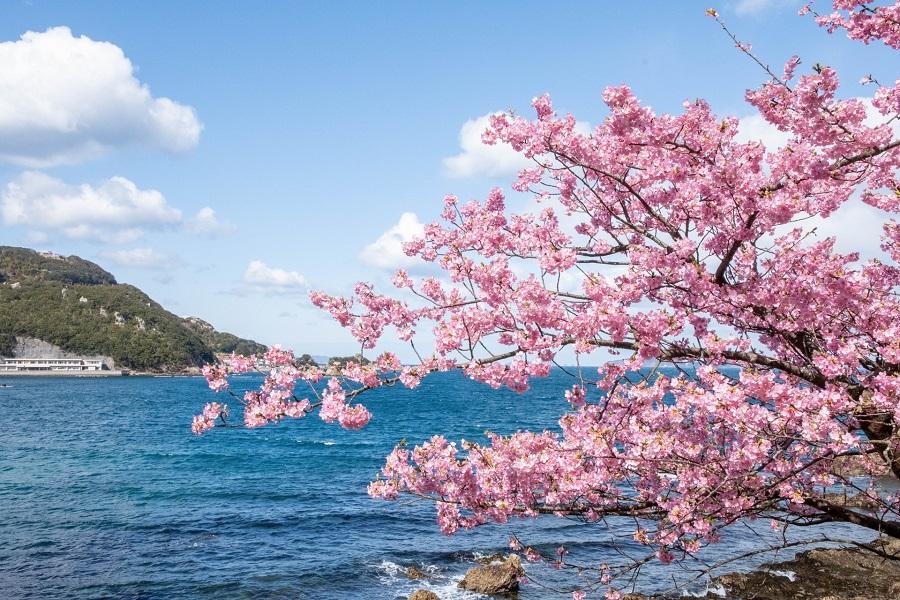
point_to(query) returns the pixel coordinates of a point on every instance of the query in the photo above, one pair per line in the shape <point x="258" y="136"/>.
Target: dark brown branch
<point x="840" y="513"/>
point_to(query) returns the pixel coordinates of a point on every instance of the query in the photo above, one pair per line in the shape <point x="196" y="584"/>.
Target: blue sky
<point x="322" y="124"/>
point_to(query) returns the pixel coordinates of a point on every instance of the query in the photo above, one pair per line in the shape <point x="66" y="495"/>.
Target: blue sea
<point x="105" y="493"/>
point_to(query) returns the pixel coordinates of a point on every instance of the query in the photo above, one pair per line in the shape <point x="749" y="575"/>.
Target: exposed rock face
<point x="199" y="323"/>
<point x="415" y="573"/>
<point x="824" y="574"/>
<point x="28" y="347"/>
<point x="497" y="578"/>
<point x="860" y="500"/>
<point x="857" y="466"/>
<point x="424" y="595"/>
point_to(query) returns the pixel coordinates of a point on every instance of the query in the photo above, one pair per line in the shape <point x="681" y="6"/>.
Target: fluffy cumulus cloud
<point x="205" y="222"/>
<point x="856" y="226"/>
<point x="755" y="128"/>
<point x="65" y="99"/>
<point x="477" y="158"/>
<point x="141" y="258"/>
<point x="262" y="278"/>
<point x="387" y="251"/>
<point x="115" y="211"/>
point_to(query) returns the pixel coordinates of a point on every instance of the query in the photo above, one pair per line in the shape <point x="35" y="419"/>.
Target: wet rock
<point x="496" y="578"/>
<point x="424" y="595"/>
<point x="486" y="560"/>
<point x="824" y="573"/>
<point x="862" y="501"/>
<point x="415" y="573"/>
<point x="857" y="466"/>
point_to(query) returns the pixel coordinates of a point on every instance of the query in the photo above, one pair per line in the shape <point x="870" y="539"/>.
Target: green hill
<point x="221" y="341"/>
<point x="74" y="304"/>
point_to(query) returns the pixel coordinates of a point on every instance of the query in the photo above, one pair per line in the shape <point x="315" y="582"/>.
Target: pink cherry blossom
<point x="654" y="238"/>
<point x="207" y="420"/>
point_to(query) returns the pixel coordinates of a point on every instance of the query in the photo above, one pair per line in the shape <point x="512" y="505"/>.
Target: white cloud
<point x="497" y="160"/>
<point x="116" y="211"/>
<point x="141" y="258"/>
<point x="66" y="99"/>
<point x="478" y="158"/>
<point x="262" y="278"/>
<point x="856" y="227"/>
<point x="875" y="118"/>
<point x="756" y="128"/>
<point x="387" y="251"/>
<point x="205" y="222"/>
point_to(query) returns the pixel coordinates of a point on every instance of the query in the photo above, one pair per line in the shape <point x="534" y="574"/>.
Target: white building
<point x="50" y="364"/>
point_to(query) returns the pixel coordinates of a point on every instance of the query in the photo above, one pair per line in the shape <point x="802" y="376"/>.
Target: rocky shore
<point x="869" y="573"/>
<point x="824" y="574"/>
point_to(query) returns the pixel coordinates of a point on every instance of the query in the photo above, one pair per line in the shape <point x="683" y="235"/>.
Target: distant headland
<point x="64" y="309"/>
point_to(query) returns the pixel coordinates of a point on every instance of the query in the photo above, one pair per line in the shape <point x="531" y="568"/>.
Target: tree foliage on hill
<point x="23" y="263"/>
<point x="79" y="307"/>
<point x="306" y="360"/>
<point x="339" y="362"/>
<point x="41" y="310"/>
<point x="222" y="342"/>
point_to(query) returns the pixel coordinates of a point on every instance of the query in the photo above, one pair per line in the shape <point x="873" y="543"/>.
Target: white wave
<point x="394" y="576"/>
<point x="392" y="573"/>
<point x="323" y="443"/>
<point x="790" y="575"/>
<point x="449" y="591"/>
<point x="481" y="556"/>
<point x="716" y="590"/>
<point x="391" y="569"/>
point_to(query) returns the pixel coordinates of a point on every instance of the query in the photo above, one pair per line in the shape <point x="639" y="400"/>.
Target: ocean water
<point x="105" y="493"/>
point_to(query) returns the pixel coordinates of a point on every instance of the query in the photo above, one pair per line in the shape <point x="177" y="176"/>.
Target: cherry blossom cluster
<point x="207" y="419"/>
<point x="276" y="398"/>
<point x="660" y="238"/>
<point x="863" y="20"/>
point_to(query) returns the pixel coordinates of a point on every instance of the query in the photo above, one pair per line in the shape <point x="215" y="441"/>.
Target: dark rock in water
<point x="860" y="500"/>
<point x="414" y="572"/>
<point x="824" y="574"/>
<point x="496" y="578"/>
<point x="424" y="595"/>
<point x="857" y="466"/>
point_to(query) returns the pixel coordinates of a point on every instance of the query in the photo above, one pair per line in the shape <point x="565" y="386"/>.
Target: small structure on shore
<point x="32" y="365"/>
<point x="31" y="356"/>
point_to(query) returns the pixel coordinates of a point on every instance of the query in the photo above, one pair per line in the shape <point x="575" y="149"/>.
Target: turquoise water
<point x="105" y="493"/>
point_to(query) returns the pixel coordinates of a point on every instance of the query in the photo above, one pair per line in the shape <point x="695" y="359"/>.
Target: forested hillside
<point x="75" y="304"/>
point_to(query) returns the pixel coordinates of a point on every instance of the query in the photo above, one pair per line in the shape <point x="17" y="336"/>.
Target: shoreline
<point x="96" y="374"/>
<point x="827" y="573"/>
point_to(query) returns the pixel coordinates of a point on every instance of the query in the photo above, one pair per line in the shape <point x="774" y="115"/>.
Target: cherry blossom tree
<point x="658" y="239"/>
